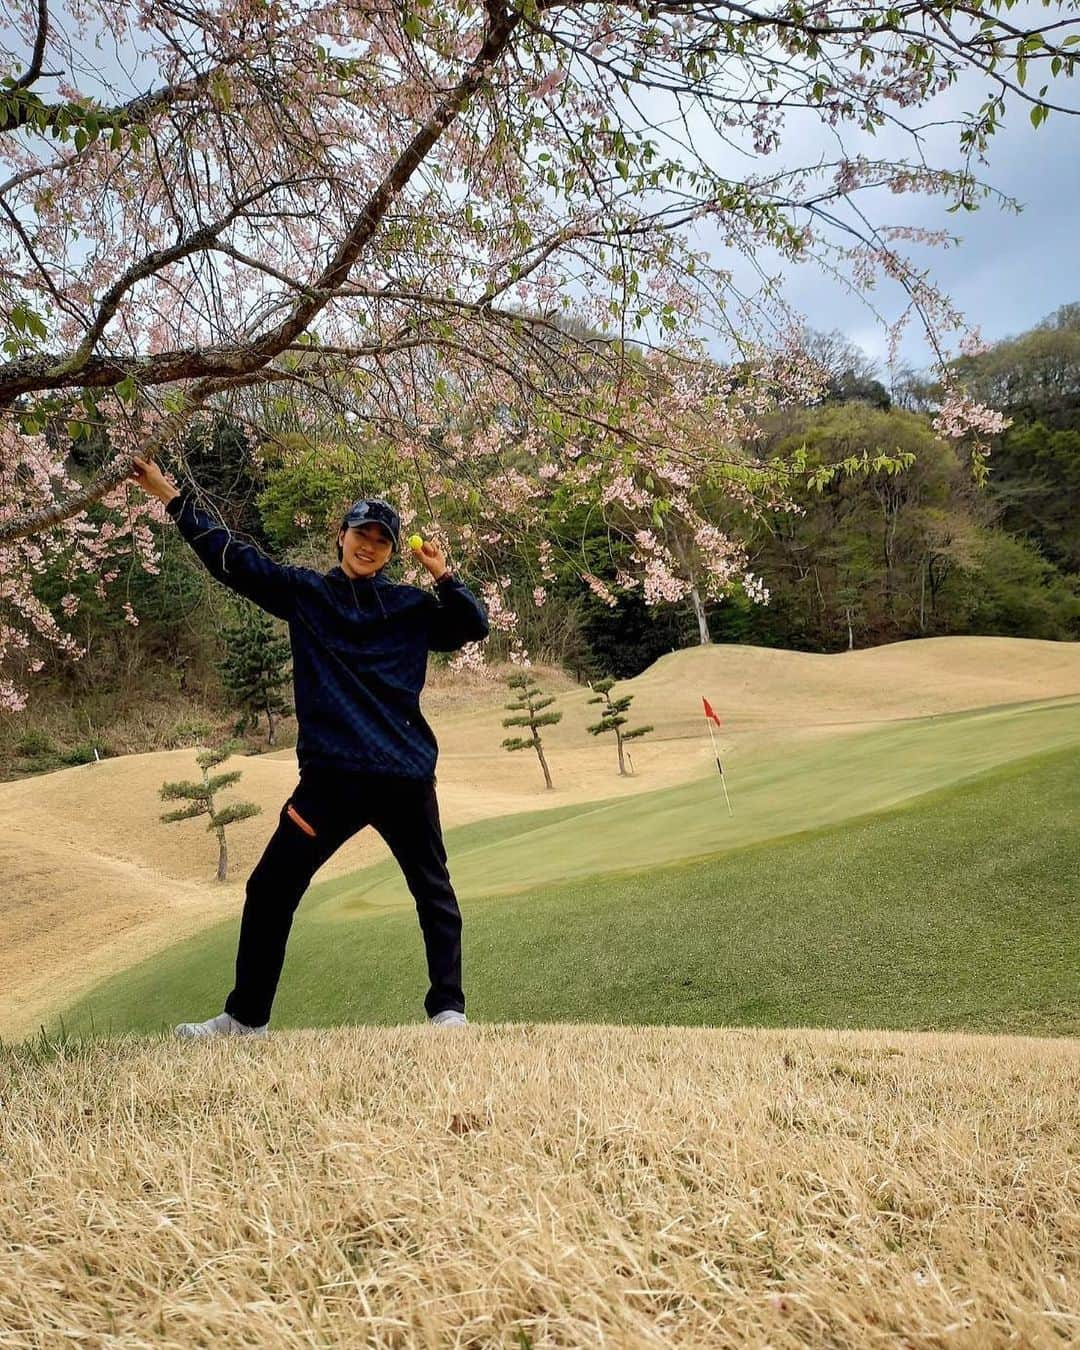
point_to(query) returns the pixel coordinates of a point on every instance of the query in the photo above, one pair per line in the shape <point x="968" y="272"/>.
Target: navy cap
<point x="374" y="511"/>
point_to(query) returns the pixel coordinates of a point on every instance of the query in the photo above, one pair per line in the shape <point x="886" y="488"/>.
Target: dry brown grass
<point x="582" y="1185"/>
<point x="134" y="726"/>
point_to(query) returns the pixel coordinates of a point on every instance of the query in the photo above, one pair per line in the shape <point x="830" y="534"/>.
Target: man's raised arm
<point x="455" y="616"/>
<point x="240" y="566"/>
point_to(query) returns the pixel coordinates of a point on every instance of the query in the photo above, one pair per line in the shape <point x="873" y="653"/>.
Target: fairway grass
<point x="774" y="795"/>
<point x="958" y="910"/>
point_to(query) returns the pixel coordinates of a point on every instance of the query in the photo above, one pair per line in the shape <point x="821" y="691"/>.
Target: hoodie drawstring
<point x="374" y="590"/>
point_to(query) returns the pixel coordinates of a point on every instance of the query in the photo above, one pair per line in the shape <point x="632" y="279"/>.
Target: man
<point x="366" y="755"/>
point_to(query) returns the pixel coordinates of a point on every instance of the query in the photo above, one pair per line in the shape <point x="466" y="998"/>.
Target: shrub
<point x="188" y="731"/>
<point x="34" y="743"/>
<point x="83" y="753"/>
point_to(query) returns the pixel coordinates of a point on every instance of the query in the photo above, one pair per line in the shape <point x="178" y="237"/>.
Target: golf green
<point x="958" y="909"/>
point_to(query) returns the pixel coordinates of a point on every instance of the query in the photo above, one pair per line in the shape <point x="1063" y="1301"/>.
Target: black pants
<point x="326" y="808"/>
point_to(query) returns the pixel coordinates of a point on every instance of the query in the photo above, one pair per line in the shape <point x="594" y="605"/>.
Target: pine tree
<point x="528" y="707"/>
<point x="201" y="796"/>
<point x="254" y="667"/>
<point x="613" y="719"/>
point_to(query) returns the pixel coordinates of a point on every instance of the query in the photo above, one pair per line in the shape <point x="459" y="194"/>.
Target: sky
<point x="1009" y="270"/>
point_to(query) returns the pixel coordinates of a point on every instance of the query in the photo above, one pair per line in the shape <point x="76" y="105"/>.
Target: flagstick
<point x="723" y="780"/>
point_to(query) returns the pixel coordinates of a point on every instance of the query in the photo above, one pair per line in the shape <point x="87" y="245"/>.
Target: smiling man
<point x="366" y="755"/>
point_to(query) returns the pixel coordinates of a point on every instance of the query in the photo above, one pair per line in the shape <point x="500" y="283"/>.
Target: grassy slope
<point x="97" y="883"/>
<point x="958" y="910"/>
<point x="774" y="795"/>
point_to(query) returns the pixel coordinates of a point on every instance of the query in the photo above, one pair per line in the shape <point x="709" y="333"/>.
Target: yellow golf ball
<point x="415" y="541"/>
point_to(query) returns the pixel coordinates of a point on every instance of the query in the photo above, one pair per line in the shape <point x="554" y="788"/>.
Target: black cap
<point x="374" y="511"/>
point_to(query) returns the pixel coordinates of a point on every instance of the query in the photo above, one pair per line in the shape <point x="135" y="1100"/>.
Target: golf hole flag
<point x="710" y="718"/>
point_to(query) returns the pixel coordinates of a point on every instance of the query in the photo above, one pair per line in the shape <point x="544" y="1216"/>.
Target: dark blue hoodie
<point x="359" y="648"/>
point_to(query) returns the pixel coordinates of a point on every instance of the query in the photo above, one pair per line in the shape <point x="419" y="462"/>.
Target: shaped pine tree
<point x="527" y="707"/>
<point x="254" y="668"/>
<point x="613" y="718"/>
<point x="201" y="796"/>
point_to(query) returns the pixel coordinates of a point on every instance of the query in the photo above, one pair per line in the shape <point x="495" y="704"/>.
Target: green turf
<point x="958" y="910"/>
<point x="773" y="795"/>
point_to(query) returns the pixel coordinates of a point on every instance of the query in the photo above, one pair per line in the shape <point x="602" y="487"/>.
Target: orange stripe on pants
<point x="294" y="815"/>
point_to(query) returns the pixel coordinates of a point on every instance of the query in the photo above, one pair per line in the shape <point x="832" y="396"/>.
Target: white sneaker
<point x="224" y="1024"/>
<point x="449" y="1017"/>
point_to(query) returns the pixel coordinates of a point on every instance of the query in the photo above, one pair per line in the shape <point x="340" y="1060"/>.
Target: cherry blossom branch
<point x="37" y="59"/>
<point x="38" y="373"/>
<point x="517" y="297"/>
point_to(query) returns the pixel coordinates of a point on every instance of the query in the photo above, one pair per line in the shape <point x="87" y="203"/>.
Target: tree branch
<point x="36" y="373"/>
<point x="38" y="57"/>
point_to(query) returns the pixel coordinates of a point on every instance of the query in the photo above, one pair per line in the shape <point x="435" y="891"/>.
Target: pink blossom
<point x="598" y="588"/>
<point x="548" y="84"/>
<point x="502" y="416"/>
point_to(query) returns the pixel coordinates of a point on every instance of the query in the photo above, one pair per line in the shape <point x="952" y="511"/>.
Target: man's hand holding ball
<point x="430" y="555"/>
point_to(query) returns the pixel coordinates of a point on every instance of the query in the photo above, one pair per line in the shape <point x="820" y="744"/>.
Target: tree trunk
<point x="704" y="636"/>
<point x="850" y="633"/>
<point x="820" y="596"/>
<point x="937" y="581"/>
<point x="270" y="719"/>
<point x="922" y="599"/>
<point x="889" y="539"/>
<point x="679" y="550"/>
<point x="223" y="855"/>
<point x="543" y="762"/>
<point x="622" y="766"/>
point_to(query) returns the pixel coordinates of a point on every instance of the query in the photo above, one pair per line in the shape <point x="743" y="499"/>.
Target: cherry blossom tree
<point x="382" y="210"/>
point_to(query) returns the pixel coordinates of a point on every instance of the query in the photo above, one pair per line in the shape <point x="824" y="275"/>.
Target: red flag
<point x="709" y="712"/>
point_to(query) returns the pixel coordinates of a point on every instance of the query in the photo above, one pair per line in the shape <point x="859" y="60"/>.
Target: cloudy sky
<point x="1008" y="271"/>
